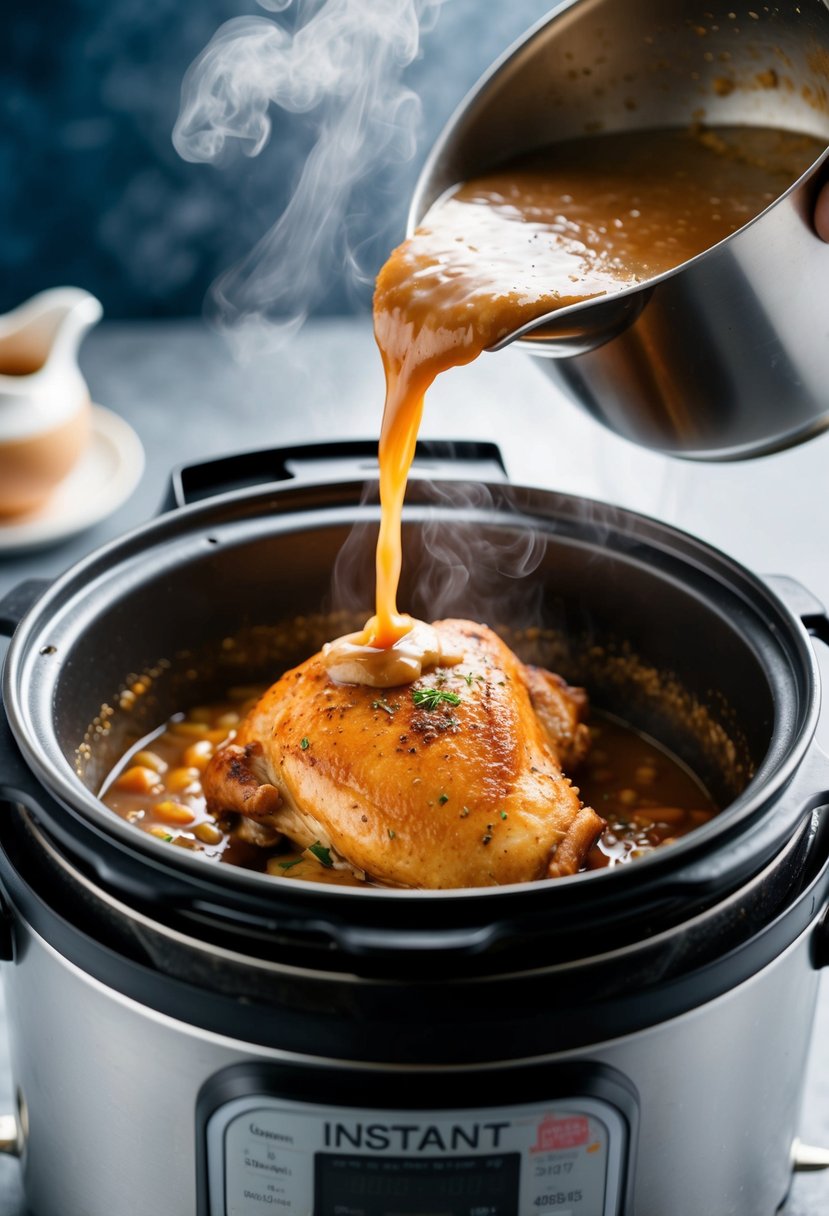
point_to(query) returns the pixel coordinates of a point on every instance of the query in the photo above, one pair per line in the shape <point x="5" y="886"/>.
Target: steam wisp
<point x="343" y="62"/>
<point x="459" y="561"/>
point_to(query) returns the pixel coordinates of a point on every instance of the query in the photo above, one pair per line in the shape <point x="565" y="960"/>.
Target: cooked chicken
<point x="452" y="781"/>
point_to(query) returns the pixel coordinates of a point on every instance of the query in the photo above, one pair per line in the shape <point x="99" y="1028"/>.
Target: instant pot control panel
<point x="264" y="1147"/>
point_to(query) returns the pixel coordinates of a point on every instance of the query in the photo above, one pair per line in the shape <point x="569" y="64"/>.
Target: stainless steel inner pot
<point x="724" y="357"/>
<point x="651" y="1000"/>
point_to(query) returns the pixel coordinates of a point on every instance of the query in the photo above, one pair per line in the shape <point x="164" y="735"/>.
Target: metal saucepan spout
<point x="725" y="356"/>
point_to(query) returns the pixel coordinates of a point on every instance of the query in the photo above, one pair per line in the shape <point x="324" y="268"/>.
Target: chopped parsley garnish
<point x="469" y="678"/>
<point x="392" y="833"/>
<point x="443" y="799"/>
<point x="289" y="865"/>
<point x="305" y="743"/>
<point x="431" y="698"/>
<point x="322" y="854"/>
<point x="383" y="704"/>
<point x="503" y="814"/>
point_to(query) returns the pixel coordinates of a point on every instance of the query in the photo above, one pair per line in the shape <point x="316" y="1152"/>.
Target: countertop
<point x="178" y="386"/>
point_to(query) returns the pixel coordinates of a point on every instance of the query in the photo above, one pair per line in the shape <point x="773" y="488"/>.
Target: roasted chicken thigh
<point x="453" y="781"/>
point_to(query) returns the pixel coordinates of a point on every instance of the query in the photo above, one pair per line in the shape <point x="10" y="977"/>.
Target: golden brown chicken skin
<point x="453" y="781"/>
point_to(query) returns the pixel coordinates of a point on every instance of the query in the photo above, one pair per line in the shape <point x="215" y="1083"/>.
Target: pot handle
<point x="16" y="781"/>
<point x="311" y="462"/>
<point x="802" y="603"/>
<point x="812" y="613"/>
<point x="361" y="941"/>
<point x="17" y="602"/>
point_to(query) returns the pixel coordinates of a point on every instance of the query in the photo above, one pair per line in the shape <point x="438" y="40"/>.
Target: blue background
<point x="92" y="191"/>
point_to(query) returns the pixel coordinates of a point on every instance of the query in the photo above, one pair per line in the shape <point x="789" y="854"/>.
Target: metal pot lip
<point x="417" y="209"/>
<point x="352" y="1003"/>
<point x="536" y="347"/>
<point x="773" y="776"/>
<point x="663" y="937"/>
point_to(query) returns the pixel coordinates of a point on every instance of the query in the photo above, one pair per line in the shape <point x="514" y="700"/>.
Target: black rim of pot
<point x="144" y="869"/>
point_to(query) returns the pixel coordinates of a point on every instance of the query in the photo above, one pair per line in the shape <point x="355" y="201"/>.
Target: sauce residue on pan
<point x="582" y="219"/>
<point x="648" y="797"/>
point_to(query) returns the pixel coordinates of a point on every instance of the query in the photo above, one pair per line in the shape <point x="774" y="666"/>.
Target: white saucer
<point x="104" y="477"/>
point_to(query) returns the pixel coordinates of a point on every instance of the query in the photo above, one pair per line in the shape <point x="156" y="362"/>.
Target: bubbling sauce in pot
<point x="648" y="797"/>
<point x="582" y="219"/>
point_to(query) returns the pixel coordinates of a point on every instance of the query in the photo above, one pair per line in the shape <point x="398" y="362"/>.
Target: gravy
<point x="648" y="797"/>
<point x="16" y="362"/>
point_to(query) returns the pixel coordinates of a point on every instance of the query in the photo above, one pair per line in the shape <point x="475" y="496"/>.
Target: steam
<point x="475" y="567"/>
<point x="455" y="562"/>
<point x="343" y="63"/>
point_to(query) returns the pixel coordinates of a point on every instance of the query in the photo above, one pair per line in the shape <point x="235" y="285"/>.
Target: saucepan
<point x="724" y="357"/>
<point x="635" y="1039"/>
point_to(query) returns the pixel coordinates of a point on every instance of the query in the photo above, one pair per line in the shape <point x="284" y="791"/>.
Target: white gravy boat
<point x="44" y="400"/>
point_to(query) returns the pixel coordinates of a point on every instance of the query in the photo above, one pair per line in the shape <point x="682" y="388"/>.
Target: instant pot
<point x="194" y="1037"/>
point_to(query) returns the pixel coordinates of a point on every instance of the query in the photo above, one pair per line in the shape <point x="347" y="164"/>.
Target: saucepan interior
<point x="595" y="66"/>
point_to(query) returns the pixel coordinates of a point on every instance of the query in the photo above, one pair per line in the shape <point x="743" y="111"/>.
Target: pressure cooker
<point x="197" y="1037"/>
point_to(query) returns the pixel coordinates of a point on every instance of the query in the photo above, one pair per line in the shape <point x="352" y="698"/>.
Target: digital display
<point x="406" y="1186"/>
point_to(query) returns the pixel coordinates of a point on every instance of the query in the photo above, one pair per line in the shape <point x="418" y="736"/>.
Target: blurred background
<point x="92" y="191"/>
